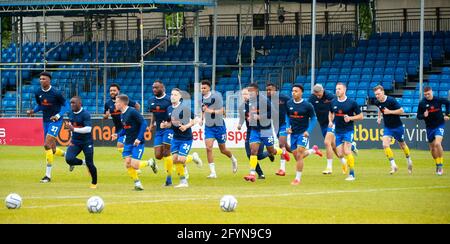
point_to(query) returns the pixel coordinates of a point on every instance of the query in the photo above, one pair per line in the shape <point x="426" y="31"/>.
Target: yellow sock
<point x="440" y="160"/>
<point x="406" y="151"/>
<point x="49" y="156"/>
<point x="189" y="159"/>
<point x="180" y="170"/>
<point x="350" y="161"/>
<point x="279" y="151"/>
<point x="168" y="164"/>
<point x="143" y="164"/>
<point x="389" y="153"/>
<point x="59" y="152"/>
<point x="120" y="149"/>
<point x="436" y="160"/>
<point x="133" y="174"/>
<point x="253" y="162"/>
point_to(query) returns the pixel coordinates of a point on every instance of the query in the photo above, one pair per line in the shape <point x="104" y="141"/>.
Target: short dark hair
<point x="299" y="86"/>
<point x="342" y="84"/>
<point x="206" y="82"/>
<point x="157" y="81"/>
<point x="46" y="74"/>
<point x="115" y="85"/>
<point x="427" y="88"/>
<point x="124" y="98"/>
<point x="253" y="85"/>
<point x="271" y="84"/>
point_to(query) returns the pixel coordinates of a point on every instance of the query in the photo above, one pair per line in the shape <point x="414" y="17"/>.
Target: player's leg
<point x="282" y="139"/>
<point x="220" y="134"/>
<point x="121" y="144"/>
<point x="387" y="138"/>
<point x="328" y="141"/>
<point x="282" y="170"/>
<point x="180" y="163"/>
<point x="130" y="151"/>
<point x="347" y="148"/>
<point x="299" y="155"/>
<point x="49" y="145"/>
<point x="400" y="137"/>
<point x="88" y="150"/>
<point x="209" y="143"/>
<point x="168" y="163"/>
<point x="439" y="155"/>
<point x="71" y="156"/>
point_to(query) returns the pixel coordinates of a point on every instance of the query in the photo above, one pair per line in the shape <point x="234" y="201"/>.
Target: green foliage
<point x="6" y="32"/>
<point x="365" y="20"/>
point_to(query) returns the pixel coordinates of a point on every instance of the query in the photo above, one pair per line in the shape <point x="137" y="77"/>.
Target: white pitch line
<point x="188" y="198"/>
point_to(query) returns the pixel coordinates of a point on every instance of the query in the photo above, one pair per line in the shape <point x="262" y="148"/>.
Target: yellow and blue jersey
<point x="322" y="107"/>
<point x="390" y="120"/>
<point x="213" y="101"/>
<point x="158" y="107"/>
<point x="348" y="107"/>
<point x="116" y="114"/>
<point x="50" y="102"/>
<point x="435" y="117"/>
<point x="134" y="126"/>
<point x="180" y="115"/>
<point x="79" y="120"/>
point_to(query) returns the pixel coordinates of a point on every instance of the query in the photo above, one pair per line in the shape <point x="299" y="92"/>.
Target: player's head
<point x="245" y="95"/>
<point x="206" y="87"/>
<point x="428" y="93"/>
<point x="297" y="91"/>
<point x="175" y="96"/>
<point x="253" y="90"/>
<point x="271" y="89"/>
<point x="45" y="79"/>
<point x="318" y="91"/>
<point x="158" y="88"/>
<point x="114" y="90"/>
<point x="122" y="101"/>
<point x="75" y="103"/>
<point x="341" y="89"/>
<point x="379" y="92"/>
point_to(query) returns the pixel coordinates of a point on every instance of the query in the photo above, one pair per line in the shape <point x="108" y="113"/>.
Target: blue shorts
<point x="396" y="133"/>
<point x="163" y="136"/>
<point x="180" y="147"/>
<point x="282" y="131"/>
<point x="344" y="137"/>
<point x="263" y="136"/>
<point x="326" y="129"/>
<point x="52" y="128"/>
<point x="121" y="139"/>
<point x="135" y="152"/>
<point x="298" y="140"/>
<point x="432" y="133"/>
<point x="216" y="132"/>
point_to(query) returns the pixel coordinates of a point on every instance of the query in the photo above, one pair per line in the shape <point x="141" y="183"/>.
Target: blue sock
<point x="263" y="155"/>
<point x="169" y="180"/>
<point x="352" y="172"/>
<point x="353" y="147"/>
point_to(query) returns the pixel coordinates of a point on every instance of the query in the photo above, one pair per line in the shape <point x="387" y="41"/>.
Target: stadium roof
<point x="68" y="7"/>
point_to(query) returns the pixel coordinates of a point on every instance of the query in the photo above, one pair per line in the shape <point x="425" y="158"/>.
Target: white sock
<point x="48" y="171"/>
<point x="233" y="159"/>
<point x="408" y="160"/>
<point x="183" y="181"/>
<point x="309" y="152"/>
<point x="329" y="163"/>
<point x="138" y="183"/>
<point x="393" y="163"/>
<point x="343" y="161"/>
<point x="283" y="164"/>
<point x="298" y="175"/>
<point x="212" y="168"/>
<point x="84" y="162"/>
<point x="252" y="172"/>
<point x="186" y="171"/>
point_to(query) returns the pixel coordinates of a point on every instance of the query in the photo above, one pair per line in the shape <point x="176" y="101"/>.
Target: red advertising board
<point x="21" y="132"/>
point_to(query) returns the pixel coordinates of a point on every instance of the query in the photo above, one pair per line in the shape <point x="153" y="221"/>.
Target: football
<point x="228" y="203"/>
<point x="13" y="201"/>
<point x="95" y="204"/>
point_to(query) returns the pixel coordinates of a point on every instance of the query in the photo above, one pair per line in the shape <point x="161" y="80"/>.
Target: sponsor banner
<point x="368" y="134"/>
<point x="21" y="132"/>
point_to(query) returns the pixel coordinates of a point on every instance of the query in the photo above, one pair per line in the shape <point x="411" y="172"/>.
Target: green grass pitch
<point x="375" y="197"/>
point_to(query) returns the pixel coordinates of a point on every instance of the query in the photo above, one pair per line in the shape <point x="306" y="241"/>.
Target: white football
<point x="95" y="204"/>
<point x="13" y="201"/>
<point x="228" y="203"/>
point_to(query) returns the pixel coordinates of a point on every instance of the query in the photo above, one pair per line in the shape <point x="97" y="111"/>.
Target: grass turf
<point x="375" y="197"/>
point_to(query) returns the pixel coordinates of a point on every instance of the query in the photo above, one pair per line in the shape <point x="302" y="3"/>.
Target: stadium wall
<point x="368" y="134"/>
